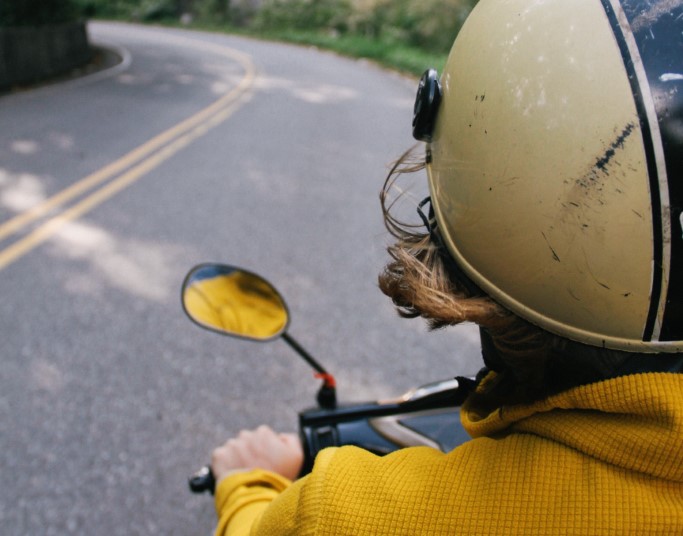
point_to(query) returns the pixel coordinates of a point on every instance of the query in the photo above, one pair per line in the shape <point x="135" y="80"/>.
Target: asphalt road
<point x="195" y="147"/>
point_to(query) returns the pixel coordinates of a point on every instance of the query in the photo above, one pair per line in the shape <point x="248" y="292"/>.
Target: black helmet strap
<point x="430" y="223"/>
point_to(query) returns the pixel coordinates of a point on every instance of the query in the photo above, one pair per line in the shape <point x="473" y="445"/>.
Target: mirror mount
<point x="327" y="395"/>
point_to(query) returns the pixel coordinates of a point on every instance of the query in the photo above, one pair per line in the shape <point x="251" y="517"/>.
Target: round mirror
<point x="234" y="302"/>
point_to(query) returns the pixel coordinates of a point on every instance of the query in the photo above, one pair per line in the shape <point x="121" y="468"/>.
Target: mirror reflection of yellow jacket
<point x="236" y="303"/>
<point x="605" y="458"/>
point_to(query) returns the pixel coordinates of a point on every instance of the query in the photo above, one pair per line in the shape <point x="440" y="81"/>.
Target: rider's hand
<point x="259" y="449"/>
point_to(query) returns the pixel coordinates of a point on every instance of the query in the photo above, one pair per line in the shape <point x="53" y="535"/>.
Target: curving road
<point x="195" y="147"/>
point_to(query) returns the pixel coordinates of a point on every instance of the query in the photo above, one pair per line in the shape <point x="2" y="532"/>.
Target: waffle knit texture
<point x="605" y="458"/>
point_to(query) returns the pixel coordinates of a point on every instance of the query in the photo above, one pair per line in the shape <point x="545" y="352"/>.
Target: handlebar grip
<point x="202" y="481"/>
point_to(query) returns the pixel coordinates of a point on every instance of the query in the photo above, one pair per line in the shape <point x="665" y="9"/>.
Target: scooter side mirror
<point x="235" y="302"/>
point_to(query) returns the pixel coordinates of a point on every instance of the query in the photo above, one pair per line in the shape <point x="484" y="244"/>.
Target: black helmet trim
<point x="644" y="31"/>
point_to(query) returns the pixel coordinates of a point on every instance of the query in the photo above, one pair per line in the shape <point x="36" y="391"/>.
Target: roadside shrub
<point x="145" y="10"/>
<point x="212" y="10"/>
<point x="428" y="24"/>
<point x="242" y="12"/>
<point x="151" y="10"/>
<point x="37" y="12"/>
<point x="116" y="9"/>
<point x="433" y="24"/>
<point x="304" y="15"/>
<point x="237" y="13"/>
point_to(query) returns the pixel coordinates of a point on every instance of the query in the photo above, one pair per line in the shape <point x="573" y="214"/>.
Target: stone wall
<point x="29" y="55"/>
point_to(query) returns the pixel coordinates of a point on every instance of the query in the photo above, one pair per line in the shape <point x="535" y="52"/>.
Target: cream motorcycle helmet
<point x="554" y="155"/>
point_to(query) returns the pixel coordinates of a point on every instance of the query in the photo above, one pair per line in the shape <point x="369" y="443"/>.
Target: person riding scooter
<point x="554" y="147"/>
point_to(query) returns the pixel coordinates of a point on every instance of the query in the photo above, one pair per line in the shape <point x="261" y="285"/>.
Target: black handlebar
<point x="203" y="481"/>
<point x="324" y="427"/>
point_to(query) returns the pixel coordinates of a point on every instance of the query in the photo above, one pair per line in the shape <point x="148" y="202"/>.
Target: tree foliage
<point x="146" y="10"/>
<point x="37" y="12"/>
<point x="426" y="24"/>
<point x="304" y="15"/>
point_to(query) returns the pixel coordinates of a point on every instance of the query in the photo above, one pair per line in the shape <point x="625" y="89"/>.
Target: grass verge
<point x="408" y="60"/>
<point x="395" y="56"/>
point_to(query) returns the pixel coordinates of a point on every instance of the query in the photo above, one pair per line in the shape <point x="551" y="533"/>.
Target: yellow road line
<point x="18" y="222"/>
<point x="165" y="144"/>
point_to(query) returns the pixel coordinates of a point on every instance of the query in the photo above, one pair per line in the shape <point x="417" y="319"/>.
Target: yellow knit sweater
<point x="605" y="458"/>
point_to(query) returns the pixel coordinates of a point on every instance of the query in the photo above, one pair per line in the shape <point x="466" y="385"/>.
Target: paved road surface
<point x="196" y="147"/>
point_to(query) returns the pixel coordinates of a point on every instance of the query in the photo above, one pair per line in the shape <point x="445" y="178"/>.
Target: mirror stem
<point x="303" y="353"/>
<point x="327" y="395"/>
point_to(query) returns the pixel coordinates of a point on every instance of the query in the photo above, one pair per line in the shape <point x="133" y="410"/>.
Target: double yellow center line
<point x="115" y="177"/>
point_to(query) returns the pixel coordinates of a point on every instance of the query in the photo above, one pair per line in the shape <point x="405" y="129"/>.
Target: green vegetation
<point x="38" y="12"/>
<point x="409" y="35"/>
<point x="396" y="55"/>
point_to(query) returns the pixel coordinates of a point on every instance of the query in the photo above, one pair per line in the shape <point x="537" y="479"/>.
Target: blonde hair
<point x="421" y="281"/>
